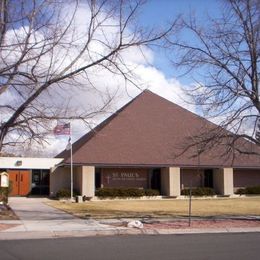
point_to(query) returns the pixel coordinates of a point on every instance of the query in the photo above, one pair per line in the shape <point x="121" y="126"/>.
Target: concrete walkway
<point x="35" y="209"/>
<point x="40" y="220"/>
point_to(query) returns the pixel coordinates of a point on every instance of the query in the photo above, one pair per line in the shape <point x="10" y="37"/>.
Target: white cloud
<point x="87" y="97"/>
<point x="170" y="89"/>
<point x="149" y="78"/>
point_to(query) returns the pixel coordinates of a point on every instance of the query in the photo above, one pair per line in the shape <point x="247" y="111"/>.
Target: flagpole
<point x="71" y="165"/>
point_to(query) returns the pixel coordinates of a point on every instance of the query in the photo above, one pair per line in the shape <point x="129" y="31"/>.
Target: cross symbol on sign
<point x="108" y="178"/>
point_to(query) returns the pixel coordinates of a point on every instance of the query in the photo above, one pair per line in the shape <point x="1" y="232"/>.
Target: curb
<point x="79" y="233"/>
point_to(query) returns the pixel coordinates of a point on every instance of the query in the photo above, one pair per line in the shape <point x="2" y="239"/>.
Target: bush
<point x="125" y="192"/>
<point x="200" y="191"/>
<point x="151" y="192"/>
<point x="249" y="190"/>
<point x="240" y="191"/>
<point x="119" y="192"/>
<point x="253" y="190"/>
<point x="5" y="191"/>
<point x="65" y="193"/>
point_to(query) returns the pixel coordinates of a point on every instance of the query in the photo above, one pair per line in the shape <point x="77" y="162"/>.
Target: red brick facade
<point x="246" y="178"/>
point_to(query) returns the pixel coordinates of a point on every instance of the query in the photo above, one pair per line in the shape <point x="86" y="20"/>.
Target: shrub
<point x="185" y="192"/>
<point x="252" y="190"/>
<point x="240" y="191"/>
<point x="151" y="192"/>
<point x="4" y="191"/>
<point x="119" y="192"/>
<point x="200" y="191"/>
<point x="125" y="192"/>
<point x="132" y="192"/>
<point x="248" y="190"/>
<point x="65" y="193"/>
<point x="105" y="192"/>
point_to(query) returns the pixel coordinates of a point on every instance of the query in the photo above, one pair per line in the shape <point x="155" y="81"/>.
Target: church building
<point x="143" y="145"/>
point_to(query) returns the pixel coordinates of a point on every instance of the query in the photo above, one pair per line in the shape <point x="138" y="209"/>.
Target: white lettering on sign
<point x="130" y="176"/>
<point x="115" y="175"/>
<point x="108" y="178"/>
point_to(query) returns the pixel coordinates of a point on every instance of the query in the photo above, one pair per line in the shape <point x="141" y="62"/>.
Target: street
<point x="200" y="246"/>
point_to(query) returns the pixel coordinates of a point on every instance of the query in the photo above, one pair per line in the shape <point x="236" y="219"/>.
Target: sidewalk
<point x="89" y="230"/>
<point x="38" y="220"/>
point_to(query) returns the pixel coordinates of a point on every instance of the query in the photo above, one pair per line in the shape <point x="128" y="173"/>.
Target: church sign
<point x="125" y="177"/>
<point x="4" y="179"/>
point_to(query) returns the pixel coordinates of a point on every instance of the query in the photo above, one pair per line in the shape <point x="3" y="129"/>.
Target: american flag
<point x="62" y="129"/>
<point x="69" y="145"/>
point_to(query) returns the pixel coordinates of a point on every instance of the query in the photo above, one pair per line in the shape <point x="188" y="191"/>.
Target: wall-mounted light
<point x="18" y="163"/>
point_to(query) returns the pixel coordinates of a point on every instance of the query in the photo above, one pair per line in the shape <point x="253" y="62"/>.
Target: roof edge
<point x="100" y="165"/>
<point x="97" y="128"/>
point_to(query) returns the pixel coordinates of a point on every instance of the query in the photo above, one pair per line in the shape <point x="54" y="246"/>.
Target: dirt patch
<point x="7" y="226"/>
<point x="6" y="213"/>
<point x="197" y="224"/>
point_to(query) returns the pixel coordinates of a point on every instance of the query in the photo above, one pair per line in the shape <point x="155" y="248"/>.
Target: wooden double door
<point x="20" y="182"/>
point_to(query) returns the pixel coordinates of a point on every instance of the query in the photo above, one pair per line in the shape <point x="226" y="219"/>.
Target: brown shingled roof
<point x="149" y="131"/>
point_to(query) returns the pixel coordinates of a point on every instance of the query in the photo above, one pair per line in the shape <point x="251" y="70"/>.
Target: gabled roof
<point x="149" y="131"/>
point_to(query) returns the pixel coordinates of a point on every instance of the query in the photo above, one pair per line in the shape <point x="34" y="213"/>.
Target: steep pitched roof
<point x="149" y="131"/>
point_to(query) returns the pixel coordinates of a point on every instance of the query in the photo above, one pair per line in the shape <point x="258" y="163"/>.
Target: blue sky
<point x="160" y="12"/>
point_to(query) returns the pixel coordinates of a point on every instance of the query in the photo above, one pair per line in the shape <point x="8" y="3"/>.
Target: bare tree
<point x="223" y="57"/>
<point x="49" y="45"/>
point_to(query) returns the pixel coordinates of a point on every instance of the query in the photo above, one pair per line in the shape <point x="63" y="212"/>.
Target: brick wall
<point x="188" y="175"/>
<point x="246" y="178"/>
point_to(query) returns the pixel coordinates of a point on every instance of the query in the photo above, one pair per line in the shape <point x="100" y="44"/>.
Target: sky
<point x="157" y="74"/>
<point x="160" y="76"/>
<point x="161" y="12"/>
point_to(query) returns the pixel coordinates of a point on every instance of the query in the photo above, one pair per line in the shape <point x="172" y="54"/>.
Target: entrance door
<point x="208" y="178"/>
<point x="14" y="182"/>
<point x="156" y="179"/>
<point x="40" y="182"/>
<point x="20" y="182"/>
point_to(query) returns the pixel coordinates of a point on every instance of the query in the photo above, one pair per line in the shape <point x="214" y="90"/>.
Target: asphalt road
<point x="200" y="246"/>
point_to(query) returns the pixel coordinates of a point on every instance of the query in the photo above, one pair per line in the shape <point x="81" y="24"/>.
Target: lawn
<point x="161" y="208"/>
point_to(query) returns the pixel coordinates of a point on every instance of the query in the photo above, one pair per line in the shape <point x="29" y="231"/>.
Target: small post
<point x="190" y="196"/>
<point x="4" y="186"/>
<point x="71" y="166"/>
